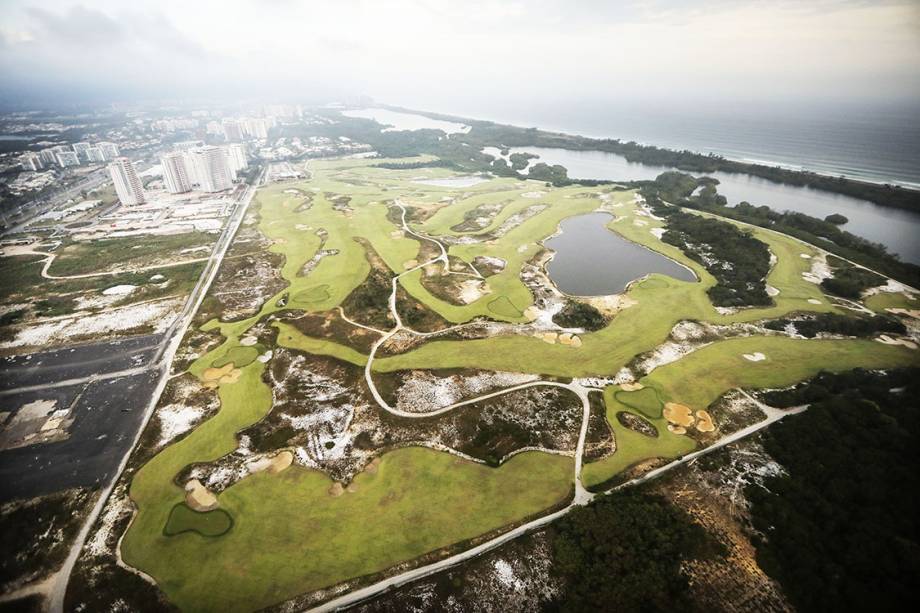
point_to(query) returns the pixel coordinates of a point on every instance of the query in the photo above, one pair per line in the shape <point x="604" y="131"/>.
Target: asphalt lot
<point x="107" y="415"/>
<point x="77" y="361"/>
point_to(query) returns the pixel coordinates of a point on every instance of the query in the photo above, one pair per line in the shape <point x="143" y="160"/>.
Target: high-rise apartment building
<point x="94" y="154"/>
<point x="80" y="150"/>
<point x="48" y="156"/>
<point x="109" y="151"/>
<point x="236" y="158"/>
<point x="212" y="172"/>
<point x="128" y="185"/>
<point x="232" y="131"/>
<point x="175" y="173"/>
<point x="67" y="158"/>
<point x="31" y="161"/>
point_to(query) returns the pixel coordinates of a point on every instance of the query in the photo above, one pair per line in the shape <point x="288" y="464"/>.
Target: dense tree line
<point x="849" y="281"/>
<point x="580" y="315"/>
<point x="737" y="260"/>
<point x="678" y="189"/>
<point x="624" y="552"/>
<point x="810" y="326"/>
<point x="841" y="529"/>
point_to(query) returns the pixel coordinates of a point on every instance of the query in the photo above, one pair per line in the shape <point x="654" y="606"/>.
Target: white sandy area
<point x="472" y="290"/>
<point x="422" y="392"/>
<point x="657" y="232"/>
<point x="159" y="315"/>
<point x="119" y="290"/>
<point x="533" y="194"/>
<point x="176" y="419"/>
<point x="755" y="357"/>
<point x="666" y="353"/>
<point x="819" y="270"/>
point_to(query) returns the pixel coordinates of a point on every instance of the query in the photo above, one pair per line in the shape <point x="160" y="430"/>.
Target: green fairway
<point x="633" y="447"/>
<point x="291" y="536"/>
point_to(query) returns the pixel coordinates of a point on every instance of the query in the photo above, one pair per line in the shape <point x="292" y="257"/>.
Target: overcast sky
<point x="448" y="54"/>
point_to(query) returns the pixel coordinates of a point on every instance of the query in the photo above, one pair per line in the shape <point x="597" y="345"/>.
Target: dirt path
<point x="89" y="275"/>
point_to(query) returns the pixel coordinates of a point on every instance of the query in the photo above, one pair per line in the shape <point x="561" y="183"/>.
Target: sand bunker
<point x="410" y="264"/>
<point x="915" y="313"/>
<point x="198" y="497"/>
<point x="533" y="194"/>
<point x="472" y="290"/>
<point x="532" y="313"/>
<point x="704" y="422"/>
<point x="676" y="429"/>
<point x="570" y="339"/>
<point x="336" y="490"/>
<point x="679" y="414"/>
<point x="631" y="387"/>
<point x="213" y="377"/>
<point x="248" y="341"/>
<point x="547" y="337"/>
<point x="887" y="340"/>
<point x="813" y="301"/>
<point x="373" y="466"/>
<point x="754" y="357"/>
<point x="772" y="291"/>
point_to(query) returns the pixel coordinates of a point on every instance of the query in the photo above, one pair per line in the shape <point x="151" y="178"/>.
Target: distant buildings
<point x="31" y="161"/>
<point x="128" y="186"/>
<point x="109" y="150"/>
<point x="94" y="154"/>
<point x="66" y="159"/>
<point x="212" y="171"/>
<point x="80" y="150"/>
<point x="236" y="158"/>
<point x="176" y="173"/>
<point x="232" y="131"/>
<point x="48" y="156"/>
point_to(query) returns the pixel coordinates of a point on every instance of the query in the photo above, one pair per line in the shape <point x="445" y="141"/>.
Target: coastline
<point x="765" y="163"/>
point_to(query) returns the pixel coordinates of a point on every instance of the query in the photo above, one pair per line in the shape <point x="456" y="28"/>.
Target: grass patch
<point x="240" y="356"/>
<point x="210" y="523"/>
<point x="290" y="536"/>
<point x="313" y="294"/>
<point x="645" y="400"/>
<point x="504" y="307"/>
<point x="632" y="447"/>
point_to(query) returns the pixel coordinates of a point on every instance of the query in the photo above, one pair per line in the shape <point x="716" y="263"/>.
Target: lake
<point x="897" y="229"/>
<point x="591" y="260"/>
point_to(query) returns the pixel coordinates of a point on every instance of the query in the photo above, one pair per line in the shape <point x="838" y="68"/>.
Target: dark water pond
<point x="591" y="260"/>
<point x="895" y="228"/>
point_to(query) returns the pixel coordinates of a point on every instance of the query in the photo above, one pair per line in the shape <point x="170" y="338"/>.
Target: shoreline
<point x="783" y="165"/>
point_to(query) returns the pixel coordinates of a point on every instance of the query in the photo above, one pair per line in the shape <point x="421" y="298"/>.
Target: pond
<point x="591" y="260"/>
<point x="897" y="229"/>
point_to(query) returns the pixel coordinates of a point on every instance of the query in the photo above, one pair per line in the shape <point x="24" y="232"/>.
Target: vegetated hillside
<point x="842" y="528"/>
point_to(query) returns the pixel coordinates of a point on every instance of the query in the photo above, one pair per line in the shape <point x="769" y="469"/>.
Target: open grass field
<point x="290" y="534"/>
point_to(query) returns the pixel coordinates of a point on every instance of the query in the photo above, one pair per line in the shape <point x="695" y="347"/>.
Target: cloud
<point x="440" y="52"/>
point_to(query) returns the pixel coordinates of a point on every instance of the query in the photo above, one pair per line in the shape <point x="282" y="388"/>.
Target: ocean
<point x="879" y="142"/>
